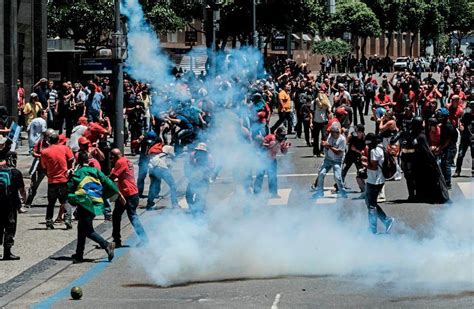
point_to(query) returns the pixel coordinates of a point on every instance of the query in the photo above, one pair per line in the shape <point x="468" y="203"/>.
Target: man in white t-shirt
<point x="374" y="184"/>
<point x="77" y="132"/>
<point x="36" y="128"/>
<point x="334" y="148"/>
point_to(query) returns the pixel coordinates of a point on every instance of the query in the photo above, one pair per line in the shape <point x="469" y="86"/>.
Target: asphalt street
<point x="125" y="284"/>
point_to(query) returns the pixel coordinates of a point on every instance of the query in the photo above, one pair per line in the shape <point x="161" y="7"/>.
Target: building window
<point x="172" y="37"/>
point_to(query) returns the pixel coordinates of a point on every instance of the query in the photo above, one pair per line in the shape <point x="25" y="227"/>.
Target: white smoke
<point x="243" y="238"/>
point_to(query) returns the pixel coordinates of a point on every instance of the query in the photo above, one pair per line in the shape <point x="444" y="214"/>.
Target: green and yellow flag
<point x="88" y="187"/>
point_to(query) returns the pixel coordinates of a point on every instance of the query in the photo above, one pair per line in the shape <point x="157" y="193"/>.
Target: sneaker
<point x="312" y="188"/>
<point x="110" y="251"/>
<point x="275" y="195"/>
<point x="118" y="244"/>
<point x="457" y="174"/>
<point x="22" y="210"/>
<point x="68" y="225"/>
<point x="49" y="225"/>
<point x="381" y="199"/>
<point x="389" y="224"/>
<point x="317" y="195"/>
<point x="360" y="197"/>
<point x="342" y="195"/>
<point x="76" y="259"/>
<point x="108" y="218"/>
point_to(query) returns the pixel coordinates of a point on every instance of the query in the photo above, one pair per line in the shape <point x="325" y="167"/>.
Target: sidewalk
<point x="33" y="243"/>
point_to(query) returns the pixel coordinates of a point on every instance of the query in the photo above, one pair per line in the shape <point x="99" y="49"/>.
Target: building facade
<point x="23" y="47"/>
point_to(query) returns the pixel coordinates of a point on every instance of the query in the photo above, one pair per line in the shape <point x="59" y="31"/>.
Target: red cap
<point x="83" y="140"/>
<point x="62" y="139"/>
<point x="341" y="111"/>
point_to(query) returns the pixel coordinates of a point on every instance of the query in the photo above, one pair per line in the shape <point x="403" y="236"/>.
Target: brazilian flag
<point x="88" y="187"/>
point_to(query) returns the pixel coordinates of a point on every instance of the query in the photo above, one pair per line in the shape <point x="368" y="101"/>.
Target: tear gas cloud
<point x="241" y="237"/>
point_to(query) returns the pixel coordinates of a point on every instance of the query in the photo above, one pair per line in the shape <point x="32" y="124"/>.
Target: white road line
<point x="326" y="200"/>
<point x="283" y="200"/>
<point x="276" y="301"/>
<point x="467" y="189"/>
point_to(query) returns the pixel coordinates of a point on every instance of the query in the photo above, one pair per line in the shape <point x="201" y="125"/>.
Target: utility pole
<point x="254" y="24"/>
<point x="288" y="43"/>
<point x="118" y="79"/>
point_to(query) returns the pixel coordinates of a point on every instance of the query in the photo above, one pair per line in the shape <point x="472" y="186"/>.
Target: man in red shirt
<point x="272" y="144"/>
<point x="57" y="160"/>
<point x="123" y="174"/>
<point x="97" y="130"/>
<point x="455" y="109"/>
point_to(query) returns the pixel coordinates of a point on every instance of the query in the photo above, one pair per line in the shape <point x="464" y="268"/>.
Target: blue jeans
<point x="324" y="169"/>
<point x="196" y="192"/>
<point x="131" y="204"/>
<point x="447" y="159"/>
<point x="375" y="211"/>
<point x="271" y="169"/>
<point x="156" y="175"/>
<point x="142" y="172"/>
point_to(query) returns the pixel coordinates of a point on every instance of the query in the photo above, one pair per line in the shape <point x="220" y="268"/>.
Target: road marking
<point x="326" y="200"/>
<point x="282" y="200"/>
<point x="467" y="189"/>
<point x="276" y="301"/>
<point x="183" y="203"/>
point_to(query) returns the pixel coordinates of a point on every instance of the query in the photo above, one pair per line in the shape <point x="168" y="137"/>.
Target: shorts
<point x="57" y="191"/>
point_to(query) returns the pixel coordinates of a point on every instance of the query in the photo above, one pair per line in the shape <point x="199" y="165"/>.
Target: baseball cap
<point x="341" y="111"/>
<point x="83" y="140"/>
<point x="201" y="146"/>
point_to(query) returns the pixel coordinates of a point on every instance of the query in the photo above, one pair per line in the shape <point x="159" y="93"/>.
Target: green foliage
<point x="172" y="15"/>
<point x="356" y="17"/>
<point x="336" y="48"/>
<point x="413" y="16"/>
<point x="87" y="22"/>
<point x="461" y="18"/>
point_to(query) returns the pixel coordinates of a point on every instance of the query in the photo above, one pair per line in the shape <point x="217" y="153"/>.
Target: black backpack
<point x="5" y="182"/>
<point x="389" y="165"/>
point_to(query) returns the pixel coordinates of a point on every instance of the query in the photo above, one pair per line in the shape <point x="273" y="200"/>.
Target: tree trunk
<point x="355" y="40"/>
<point x="389" y="44"/>
<point x="362" y="48"/>
<point x="412" y="41"/>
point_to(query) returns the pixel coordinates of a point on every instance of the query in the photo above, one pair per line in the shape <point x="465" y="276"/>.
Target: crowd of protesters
<point x="420" y="126"/>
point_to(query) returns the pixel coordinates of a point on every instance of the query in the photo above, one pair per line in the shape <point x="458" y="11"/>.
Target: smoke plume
<point x="241" y="237"/>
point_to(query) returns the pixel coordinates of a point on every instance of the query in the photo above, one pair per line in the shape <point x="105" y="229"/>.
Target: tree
<point x="168" y="16"/>
<point x="337" y="48"/>
<point x="413" y="18"/>
<point x="88" y="23"/>
<point x="389" y="15"/>
<point x="434" y="24"/>
<point x="460" y="19"/>
<point x="357" y="18"/>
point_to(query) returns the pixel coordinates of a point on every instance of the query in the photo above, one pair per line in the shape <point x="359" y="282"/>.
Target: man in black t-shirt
<point x="447" y="148"/>
<point x="11" y="187"/>
<point x="356" y="147"/>
<point x="467" y="138"/>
